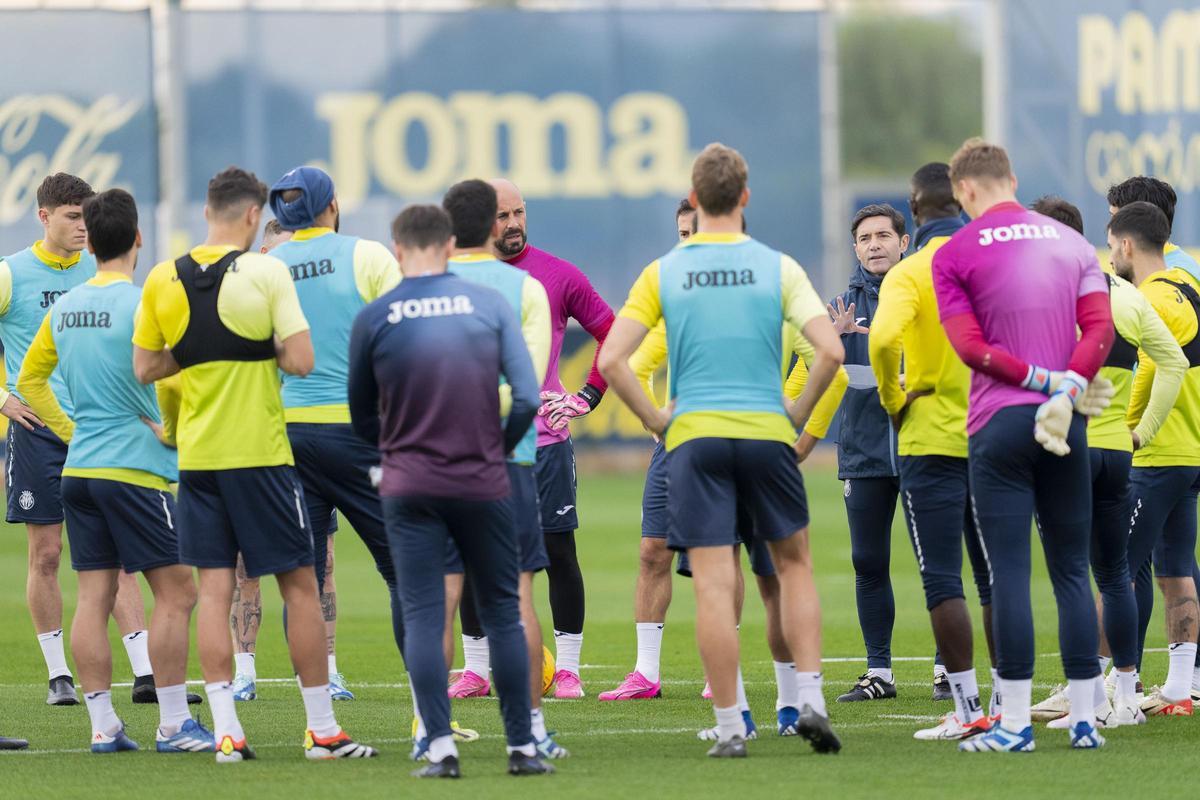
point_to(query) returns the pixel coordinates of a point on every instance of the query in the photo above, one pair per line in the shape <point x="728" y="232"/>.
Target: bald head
<point x="510" y="219"/>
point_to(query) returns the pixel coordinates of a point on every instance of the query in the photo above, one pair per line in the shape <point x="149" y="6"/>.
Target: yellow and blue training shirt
<point x="86" y="338"/>
<point x="724" y="299"/>
<point x="531" y="304"/>
<point x="335" y="277"/>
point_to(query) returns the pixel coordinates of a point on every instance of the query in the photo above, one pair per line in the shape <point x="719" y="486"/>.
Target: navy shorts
<point x="34" y="475"/>
<point x="935" y="494"/>
<point x="259" y="511"/>
<point x="555" y="470"/>
<point x="655" y="515"/>
<point x="334" y="466"/>
<point x="711" y="478"/>
<point x="1163" y="523"/>
<point x="524" y="508"/>
<point x="112" y="524"/>
<point x="757" y="550"/>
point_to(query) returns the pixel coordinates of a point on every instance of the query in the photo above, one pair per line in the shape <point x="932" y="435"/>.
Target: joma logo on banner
<point x="639" y="148"/>
<point x="42" y="134"/>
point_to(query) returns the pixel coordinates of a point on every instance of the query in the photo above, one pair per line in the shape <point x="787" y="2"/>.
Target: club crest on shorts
<point x="25" y="500"/>
<point x="846" y="489"/>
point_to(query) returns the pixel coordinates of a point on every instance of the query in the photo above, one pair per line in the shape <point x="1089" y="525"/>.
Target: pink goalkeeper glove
<point x="559" y="408"/>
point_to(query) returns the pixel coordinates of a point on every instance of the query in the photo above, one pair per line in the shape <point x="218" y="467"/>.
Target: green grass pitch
<point x="632" y="749"/>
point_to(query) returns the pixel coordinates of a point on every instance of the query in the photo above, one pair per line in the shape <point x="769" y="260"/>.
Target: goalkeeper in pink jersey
<point x="1013" y="287"/>
<point x="571" y="296"/>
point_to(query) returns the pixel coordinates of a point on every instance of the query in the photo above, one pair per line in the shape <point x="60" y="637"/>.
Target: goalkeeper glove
<point x="1052" y="423"/>
<point x="559" y="408"/>
<point x="1088" y="399"/>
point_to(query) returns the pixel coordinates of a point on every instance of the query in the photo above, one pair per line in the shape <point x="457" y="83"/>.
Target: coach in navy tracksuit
<point x="426" y="361"/>
<point x="867" y="460"/>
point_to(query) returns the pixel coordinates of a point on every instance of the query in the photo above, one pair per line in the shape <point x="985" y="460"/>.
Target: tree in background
<point x="922" y="74"/>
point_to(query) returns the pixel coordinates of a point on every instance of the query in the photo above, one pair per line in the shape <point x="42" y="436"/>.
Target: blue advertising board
<point x="1096" y="91"/>
<point x="88" y="111"/>
<point x="596" y="115"/>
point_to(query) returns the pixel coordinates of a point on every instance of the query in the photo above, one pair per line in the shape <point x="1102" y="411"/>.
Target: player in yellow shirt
<point x="653" y="593"/>
<point x="930" y="412"/>
<point x="115" y="482"/>
<point x="728" y="429"/>
<point x="228" y="321"/>
<point x="1111" y="444"/>
<point x="1166" y="471"/>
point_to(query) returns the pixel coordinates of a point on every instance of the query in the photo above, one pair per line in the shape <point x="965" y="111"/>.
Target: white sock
<point x="442" y="747"/>
<point x="1178" y="685"/>
<point x="882" y="673"/>
<point x="318" y="707"/>
<point x="332" y="664"/>
<point x="742" y="703"/>
<point x="1018" y="697"/>
<point x="1104" y="662"/>
<point x="1100" y="696"/>
<point x="649" y="649"/>
<point x="566" y="651"/>
<point x="1126" y="685"/>
<point x="100" y="709"/>
<point x="421" y="730"/>
<point x="537" y="724"/>
<point x="220" y="704"/>
<point x="808" y="689"/>
<point x="52" y="650"/>
<point x="172" y="708"/>
<point x="965" y="689"/>
<point x="787" y="692"/>
<point x="730" y="723"/>
<point x="525" y="750"/>
<point x="996" y="706"/>
<point x="138" y="652"/>
<point x="244" y="663"/>
<point x="939" y="671"/>
<point x="1081" y="694"/>
<point x="477" y="657"/>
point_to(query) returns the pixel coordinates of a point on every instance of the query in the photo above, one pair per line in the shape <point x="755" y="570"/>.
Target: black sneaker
<point x="144" y="692"/>
<point x="731" y="748"/>
<point x="816" y="729"/>
<point x="12" y="744"/>
<point x="446" y="768"/>
<point x="521" y="764"/>
<point x="869" y="687"/>
<point x="941" y="687"/>
<point x="62" y="692"/>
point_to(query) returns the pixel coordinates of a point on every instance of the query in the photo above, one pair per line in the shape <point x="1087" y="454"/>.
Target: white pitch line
<point x="831" y="660"/>
<point x="887" y="722"/>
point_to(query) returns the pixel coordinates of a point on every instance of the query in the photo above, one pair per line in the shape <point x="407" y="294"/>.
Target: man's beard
<point x="507" y="249"/>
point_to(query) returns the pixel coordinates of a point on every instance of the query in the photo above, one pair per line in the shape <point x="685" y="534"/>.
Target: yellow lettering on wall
<point x="348" y="114"/>
<point x="1097" y="60"/>
<point x="650" y="153"/>
<point x="471" y="134"/>
<point x="390" y="152"/>
<point x="530" y="124"/>
<point x="1137" y="83"/>
<point x="1179" y="70"/>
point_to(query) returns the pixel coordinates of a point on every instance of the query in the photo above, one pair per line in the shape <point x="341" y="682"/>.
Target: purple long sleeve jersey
<point x="425" y="361"/>
<point x="571" y="295"/>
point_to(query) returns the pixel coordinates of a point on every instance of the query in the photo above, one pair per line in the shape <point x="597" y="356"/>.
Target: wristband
<point x="591" y="395"/>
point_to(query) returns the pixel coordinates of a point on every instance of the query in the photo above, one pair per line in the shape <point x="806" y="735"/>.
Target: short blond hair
<point x="719" y="176"/>
<point x="979" y="159"/>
